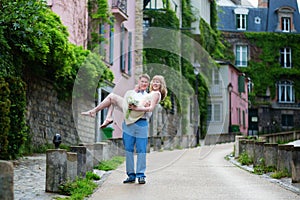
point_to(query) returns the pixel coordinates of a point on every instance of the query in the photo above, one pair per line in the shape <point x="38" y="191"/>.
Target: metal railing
<point x="121" y="4"/>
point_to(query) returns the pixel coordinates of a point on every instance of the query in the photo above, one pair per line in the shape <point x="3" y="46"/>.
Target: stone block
<point x="98" y="152"/>
<point x="89" y="156"/>
<point x="271" y="154"/>
<point x="56" y="169"/>
<point x="258" y="155"/>
<point x="237" y="145"/>
<point x="81" y="159"/>
<point x="71" y="166"/>
<point x="6" y="180"/>
<point x="284" y="157"/>
<point x="295" y="165"/>
<point x="250" y="148"/>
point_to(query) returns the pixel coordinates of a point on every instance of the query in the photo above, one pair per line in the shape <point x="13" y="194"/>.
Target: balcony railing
<point x="121" y="5"/>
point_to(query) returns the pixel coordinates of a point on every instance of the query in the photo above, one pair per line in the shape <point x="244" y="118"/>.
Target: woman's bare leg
<point x="109" y="119"/>
<point x="111" y="99"/>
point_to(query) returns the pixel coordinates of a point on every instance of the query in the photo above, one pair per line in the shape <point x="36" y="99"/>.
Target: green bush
<point x="13" y="129"/>
<point x="80" y="188"/>
<point x="18" y="128"/>
<point x="4" y="118"/>
<point x="244" y="159"/>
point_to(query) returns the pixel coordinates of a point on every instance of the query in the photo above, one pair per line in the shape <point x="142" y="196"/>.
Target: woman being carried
<point x="132" y="109"/>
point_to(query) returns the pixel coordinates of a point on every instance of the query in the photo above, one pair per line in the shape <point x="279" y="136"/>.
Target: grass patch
<point x="112" y="164"/>
<point x="245" y="159"/>
<point x="80" y="188"/>
<point x="280" y="174"/>
<point x="261" y="169"/>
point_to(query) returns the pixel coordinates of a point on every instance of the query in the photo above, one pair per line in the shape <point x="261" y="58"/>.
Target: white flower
<point x="131" y="101"/>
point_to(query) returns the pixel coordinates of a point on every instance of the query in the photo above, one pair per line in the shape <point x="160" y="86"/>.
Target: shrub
<point x="4" y="118"/>
<point x="244" y="159"/>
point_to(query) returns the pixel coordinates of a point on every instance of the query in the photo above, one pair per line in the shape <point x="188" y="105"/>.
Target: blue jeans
<point x="135" y="135"/>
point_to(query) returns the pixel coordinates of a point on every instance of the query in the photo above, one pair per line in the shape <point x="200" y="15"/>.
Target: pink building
<point x="228" y="103"/>
<point x="238" y="100"/>
<point x="121" y="50"/>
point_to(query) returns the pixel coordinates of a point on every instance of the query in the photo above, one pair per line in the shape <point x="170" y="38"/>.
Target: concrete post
<point x="284" y="157"/>
<point x="71" y="166"/>
<point x="250" y="148"/>
<point x="242" y="146"/>
<point x="81" y="160"/>
<point x="56" y="169"/>
<point x="270" y="154"/>
<point x="98" y="152"/>
<point x="258" y="153"/>
<point x="295" y="165"/>
<point x="237" y="144"/>
<point x="89" y="156"/>
<point x="6" y="180"/>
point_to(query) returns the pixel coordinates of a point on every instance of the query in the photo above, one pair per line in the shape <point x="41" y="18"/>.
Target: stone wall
<point x="46" y="115"/>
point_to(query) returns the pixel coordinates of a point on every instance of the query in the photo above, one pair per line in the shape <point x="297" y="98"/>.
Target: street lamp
<point x="229" y="88"/>
<point x="196" y="106"/>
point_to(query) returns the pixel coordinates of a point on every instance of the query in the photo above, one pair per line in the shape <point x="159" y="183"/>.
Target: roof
<point x="256" y="19"/>
<point x="259" y="19"/>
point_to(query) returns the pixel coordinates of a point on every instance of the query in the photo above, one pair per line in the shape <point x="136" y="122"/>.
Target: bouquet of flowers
<point x="131" y="101"/>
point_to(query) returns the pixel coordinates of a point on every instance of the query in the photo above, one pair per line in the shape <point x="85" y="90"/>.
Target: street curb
<point x="284" y="182"/>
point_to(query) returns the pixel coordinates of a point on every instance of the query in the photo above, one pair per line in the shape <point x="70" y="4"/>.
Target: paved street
<point x="199" y="173"/>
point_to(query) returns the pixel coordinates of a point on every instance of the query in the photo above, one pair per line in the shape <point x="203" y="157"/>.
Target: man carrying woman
<point x="136" y="106"/>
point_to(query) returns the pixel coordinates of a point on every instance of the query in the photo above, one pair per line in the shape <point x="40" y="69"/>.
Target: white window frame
<point x="213" y="116"/>
<point x="286" y="55"/>
<point x="286" y="92"/>
<point x="241" y="52"/>
<point x="241" y="20"/>
<point x="286" y="24"/>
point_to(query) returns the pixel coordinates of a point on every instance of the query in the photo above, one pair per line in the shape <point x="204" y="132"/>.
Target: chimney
<point x="263" y="3"/>
<point x="237" y="2"/>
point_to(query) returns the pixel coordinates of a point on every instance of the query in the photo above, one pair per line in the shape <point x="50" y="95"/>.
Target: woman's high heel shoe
<point x="106" y="123"/>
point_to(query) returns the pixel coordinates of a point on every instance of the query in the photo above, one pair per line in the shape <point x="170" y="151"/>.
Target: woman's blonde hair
<point x="163" y="87"/>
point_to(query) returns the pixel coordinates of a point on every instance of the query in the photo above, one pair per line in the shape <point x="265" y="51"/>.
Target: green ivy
<point x="212" y="41"/>
<point x="18" y="129"/>
<point x="100" y="14"/>
<point x="13" y="123"/>
<point x="266" y="59"/>
<point x="5" y="104"/>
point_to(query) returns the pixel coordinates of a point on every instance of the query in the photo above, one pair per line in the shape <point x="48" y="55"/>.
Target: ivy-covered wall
<point x="264" y="67"/>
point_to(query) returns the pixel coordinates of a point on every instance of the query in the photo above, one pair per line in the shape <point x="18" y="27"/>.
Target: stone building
<point x="277" y="109"/>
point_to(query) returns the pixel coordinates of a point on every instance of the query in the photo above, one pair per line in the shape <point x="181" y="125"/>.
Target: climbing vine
<point x="268" y="60"/>
<point x="100" y="14"/>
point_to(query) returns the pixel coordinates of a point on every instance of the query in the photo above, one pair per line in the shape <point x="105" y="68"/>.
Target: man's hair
<point x="144" y="76"/>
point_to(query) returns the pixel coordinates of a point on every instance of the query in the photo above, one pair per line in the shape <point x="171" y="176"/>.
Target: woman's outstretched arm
<point x="150" y="108"/>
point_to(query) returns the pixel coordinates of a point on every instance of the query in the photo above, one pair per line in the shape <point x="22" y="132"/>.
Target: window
<point x="111" y="44"/>
<point x="102" y="44"/>
<point x="244" y="119"/>
<point x="241" y="22"/>
<point x="216" y="77"/>
<point x="285" y="16"/>
<point x="214" y="112"/>
<point x="286" y="24"/>
<point x="286" y="57"/>
<point x="241" y="54"/>
<point x="287" y="120"/>
<point x="122" y="49"/>
<point x="286" y="93"/>
<point x="129" y="52"/>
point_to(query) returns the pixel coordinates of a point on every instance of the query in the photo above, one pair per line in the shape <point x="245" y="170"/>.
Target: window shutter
<point x="241" y="83"/>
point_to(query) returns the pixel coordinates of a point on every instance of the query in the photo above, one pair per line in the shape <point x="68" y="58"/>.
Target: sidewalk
<point x="198" y="173"/>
